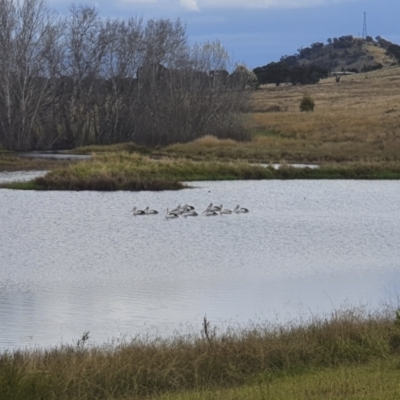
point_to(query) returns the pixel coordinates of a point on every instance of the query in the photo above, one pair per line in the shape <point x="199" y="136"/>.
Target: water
<point x="79" y="261"/>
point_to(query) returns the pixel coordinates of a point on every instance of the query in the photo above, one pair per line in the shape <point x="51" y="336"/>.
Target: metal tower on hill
<point x="364" y="34"/>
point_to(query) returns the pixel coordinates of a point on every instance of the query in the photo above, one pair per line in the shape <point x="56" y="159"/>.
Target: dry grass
<point x="354" y="120"/>
<point x="12" y="163"/>
<point x="208" y="361"/>
<point x="357" y="118"/>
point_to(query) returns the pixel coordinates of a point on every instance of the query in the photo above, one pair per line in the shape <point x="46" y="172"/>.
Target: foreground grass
<point x="314" y="360"/>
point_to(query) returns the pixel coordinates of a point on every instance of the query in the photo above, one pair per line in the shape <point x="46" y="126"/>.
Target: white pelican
<point x="150" y="212"/>
<point x="209" y="213"/>
<point x="135" y="211"/>
<point x="241" y="210"/>
<point x="216" y="208"/>
<point x="171" y="214"/>
<point x="225" y="211"/>
<point x="190" y="213"/>
<point x="177" y="210"/>
<point x="187" y="207"/>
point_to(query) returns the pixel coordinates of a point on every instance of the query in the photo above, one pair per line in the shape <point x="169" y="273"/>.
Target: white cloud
<point x="190" y="5"/>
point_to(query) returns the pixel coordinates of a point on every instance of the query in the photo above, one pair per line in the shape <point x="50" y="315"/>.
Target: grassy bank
<point x="317" y="358"/>
<point x="131" y="171"/>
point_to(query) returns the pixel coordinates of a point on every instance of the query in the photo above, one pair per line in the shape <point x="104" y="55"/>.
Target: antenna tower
<point x="364" y="34"/>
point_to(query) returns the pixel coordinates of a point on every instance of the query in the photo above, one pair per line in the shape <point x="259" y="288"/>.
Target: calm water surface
<point x="79" y="261"/>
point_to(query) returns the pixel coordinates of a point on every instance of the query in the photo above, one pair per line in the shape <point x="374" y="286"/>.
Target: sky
<point x="257" y="32"/>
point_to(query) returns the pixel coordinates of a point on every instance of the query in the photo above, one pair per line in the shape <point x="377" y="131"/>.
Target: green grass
<point x="321" y="358"/>
<point x="375" y="380"/>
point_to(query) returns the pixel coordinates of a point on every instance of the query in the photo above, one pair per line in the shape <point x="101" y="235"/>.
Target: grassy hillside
<point x="347" y="53"/>
<point x="355" y="120"/>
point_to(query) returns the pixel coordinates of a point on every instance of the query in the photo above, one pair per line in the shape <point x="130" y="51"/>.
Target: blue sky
<point x="256" y="32"/>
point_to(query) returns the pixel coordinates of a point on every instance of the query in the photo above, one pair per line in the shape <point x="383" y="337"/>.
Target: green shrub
<point x="307" y="103"/>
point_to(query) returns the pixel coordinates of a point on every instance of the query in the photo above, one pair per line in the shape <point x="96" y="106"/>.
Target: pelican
<point x="177" y="210"/>
<point x="187" y="207"/>
<point x="241" y="210"/>
<point x="209" y="213"/>
<point x="225" y="211"/>
<point x="135" y="211"/>
<point x="150" y="212"/>
<point x="171" y="214"/>
<point x="190" y="213"/>
<point x="216" y="208"/>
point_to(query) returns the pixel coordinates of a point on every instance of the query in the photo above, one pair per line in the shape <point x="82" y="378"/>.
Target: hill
<point x="346" y="53"/>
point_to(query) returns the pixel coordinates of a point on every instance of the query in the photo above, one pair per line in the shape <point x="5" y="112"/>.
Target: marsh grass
<point x="8" y="162"/>
<point x="125" y="171"/>
<point x="256" y="355"/>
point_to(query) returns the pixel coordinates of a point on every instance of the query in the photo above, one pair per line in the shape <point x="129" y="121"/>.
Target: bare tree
<point x="81" y="79"/>
<point x="24" y="84"/>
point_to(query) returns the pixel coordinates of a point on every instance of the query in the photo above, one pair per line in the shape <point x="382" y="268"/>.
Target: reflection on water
<point x="20" y="176"/>
<point x="54" y="155"/>
<point x="79" y="261"/>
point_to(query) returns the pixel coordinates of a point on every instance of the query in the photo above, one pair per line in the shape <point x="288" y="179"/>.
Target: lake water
<point x="72" y="262"/>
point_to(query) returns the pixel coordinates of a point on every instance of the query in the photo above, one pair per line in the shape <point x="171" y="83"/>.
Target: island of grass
<point x="133" y="171"/>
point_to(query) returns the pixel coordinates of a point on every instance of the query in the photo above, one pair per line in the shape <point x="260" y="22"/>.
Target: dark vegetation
<point x="79" y="80"/>
<point x="282" y="72"/>
<point x="307" y="103"/>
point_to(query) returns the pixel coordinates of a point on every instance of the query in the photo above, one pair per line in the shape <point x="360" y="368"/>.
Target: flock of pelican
<point x="189" y="211"/>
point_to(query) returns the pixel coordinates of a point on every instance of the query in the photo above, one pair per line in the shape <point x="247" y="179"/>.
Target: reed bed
<point x="208" y="360"/>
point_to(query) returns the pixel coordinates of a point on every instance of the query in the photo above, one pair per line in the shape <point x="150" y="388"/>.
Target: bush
<point x="307" y="103"/>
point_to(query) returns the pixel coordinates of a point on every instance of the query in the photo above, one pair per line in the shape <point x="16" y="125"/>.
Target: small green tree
<point x="307" y="103"/>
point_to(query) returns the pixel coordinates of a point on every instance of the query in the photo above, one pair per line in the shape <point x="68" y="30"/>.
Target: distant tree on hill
<point x="289" y="60"/>
<point x="280" y="72"/>
<point x="394" y="50"/>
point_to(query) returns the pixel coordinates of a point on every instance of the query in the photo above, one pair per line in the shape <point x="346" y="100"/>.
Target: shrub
<point x="307" y="103"/>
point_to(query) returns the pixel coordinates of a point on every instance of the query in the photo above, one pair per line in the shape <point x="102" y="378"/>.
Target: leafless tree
<point x="24" y="85"/>
<point x="81" y="79"/>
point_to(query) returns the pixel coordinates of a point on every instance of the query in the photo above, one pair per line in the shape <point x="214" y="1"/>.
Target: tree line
<point x="73" y="80"/>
